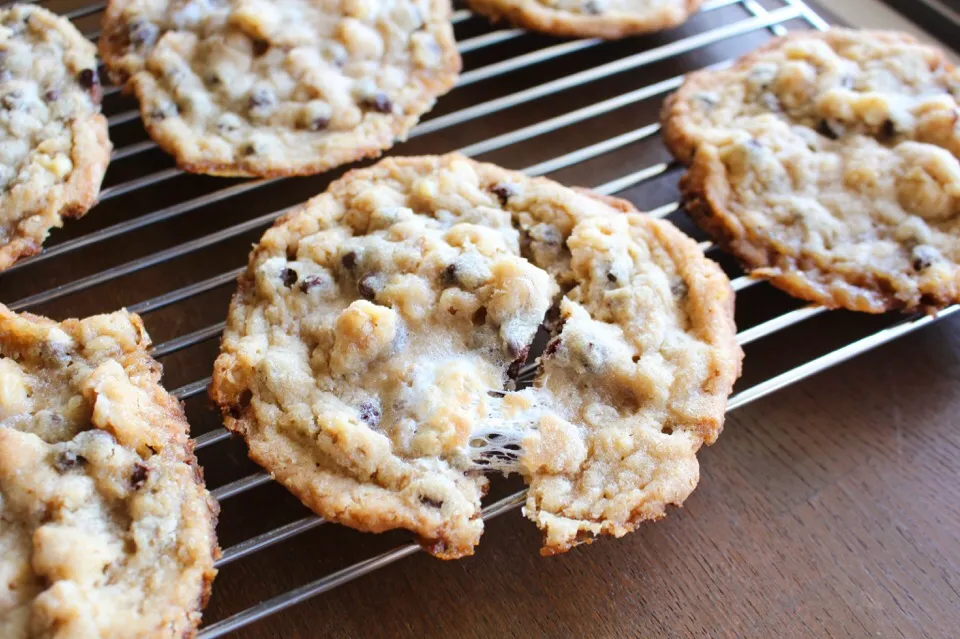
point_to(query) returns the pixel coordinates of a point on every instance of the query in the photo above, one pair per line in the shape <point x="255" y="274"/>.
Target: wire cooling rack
<point x="169" y="245"/>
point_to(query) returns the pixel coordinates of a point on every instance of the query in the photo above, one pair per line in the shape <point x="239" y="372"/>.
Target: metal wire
<point x="758" y="19"/>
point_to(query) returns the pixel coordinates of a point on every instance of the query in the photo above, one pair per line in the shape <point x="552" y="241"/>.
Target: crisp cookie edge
<point x="530" y="14"/>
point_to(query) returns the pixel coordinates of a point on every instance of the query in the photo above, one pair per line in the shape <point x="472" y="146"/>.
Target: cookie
<point x="283" y="87"/>
<point x="107" y="530"/>
<point x="54" y="148"/>
<point x="590" y="18"/>
<point x="828" y="163"/>
<point x="371" y="352"/>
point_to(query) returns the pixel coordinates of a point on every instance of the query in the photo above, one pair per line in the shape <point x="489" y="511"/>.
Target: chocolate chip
<point x="213" y="80"/>
<point x="236" y="410"/>
<point x="923" y="257"/>
<point x="349" y="260"/>
<point x="262" y="98"/>
<point x="479" y="316"/>
<point x="433" y="503"/>
<point x="250" y="149"/>
<point x="142" y="32"/>
<point x="552" y="348"/>
<point x="513" y="371"/>
<point x="611" y="277"/>
<point x="67" y="460"/>
<point x="369" y="413"/>
<point x="503" y="192"/>
<point x="449" y="275"/>
<point x="51" y="95"/>
<point x="379" y="102"/>
<point x="289" y="277"/>
<point x="164" y="111"/>
<point x="310" y="282"/>
<point x="365" y="286"/>
<point x="679" y="289"/>
<point x="260" y="47"/>
<point x="496" y="393"/>
<point x="889" y="129"/>
<point x="319" y="124"/>
<point x="138" y="477"/>
<point x="88" y="78"/>
<point x="825" y="129"/>
<point x="518" y="350"/>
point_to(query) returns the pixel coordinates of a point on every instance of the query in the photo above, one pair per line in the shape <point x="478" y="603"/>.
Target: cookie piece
<point x="54" y="148"/>
<point x="828" y="163"/>
<point x="635" y="381"/>
<point x="107" y="530"/>
<point x="590" y="18"/>
<point x="282" y="87"/>
<point x="370" y="352"/>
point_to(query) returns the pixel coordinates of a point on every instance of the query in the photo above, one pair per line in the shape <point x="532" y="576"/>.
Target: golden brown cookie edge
<point x="568" y="24"/>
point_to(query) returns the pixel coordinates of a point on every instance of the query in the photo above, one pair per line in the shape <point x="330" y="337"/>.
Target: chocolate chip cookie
<point x="285" y="87"/>
<point x="828" y="163"/>
<point x="106" y="529"/>
<point x="590" y="18"/>
<point x="54" y="147"/>
<point x="373" y="332"/>
<point x="372" y="350"/>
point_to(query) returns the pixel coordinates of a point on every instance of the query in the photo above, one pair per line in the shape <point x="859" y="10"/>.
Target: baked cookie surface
<point x="828" y="163"/>
<point x="590" y="18"/>
<point x="106" y="529"/>
<point x="634" y="382"/>
<point x="54" y="148"/>
<point x="286" y="87"/>
<point x="370" y="353"/>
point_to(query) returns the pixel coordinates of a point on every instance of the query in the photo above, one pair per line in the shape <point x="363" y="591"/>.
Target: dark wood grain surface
<point x="829" y="508"/>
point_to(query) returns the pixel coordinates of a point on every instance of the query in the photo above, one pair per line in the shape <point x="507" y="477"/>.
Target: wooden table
<point x="828" y="508"/>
